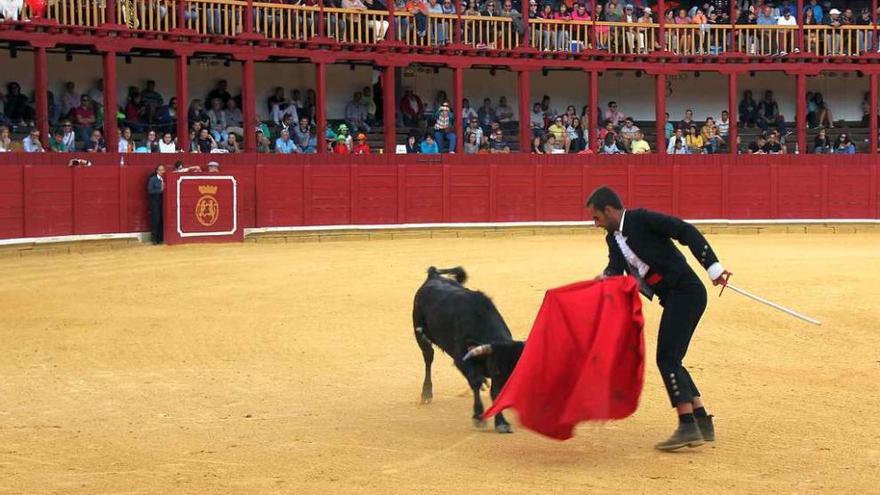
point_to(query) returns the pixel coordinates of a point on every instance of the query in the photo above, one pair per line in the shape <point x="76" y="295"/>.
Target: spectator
<point x="687" y="121"/>
<point x="614" y="115"/>
<point x="609" y="145"/>
<point x="369" y="103"/>
<point x="31" y="143"/>
<point x="429" y="146"/>
<point x="504" y="112"/>
<point x="97" y="94"/>
<point x="411" y="108"/>
<point x="361" y="147"/>
<point x="16" y="106"/>
<point x="217" y="118"/>
<point x="471" y="144"/>
<point x="444" y="129"/>
<point x="167" y="144"/>
<point x="669" y="127"/>
<point x="773" y="146"/>
<point x="69" y="136"/>
<point x="135" y="116"/>
<point x="205" y="142"/>
<point x="748" y="110"/>
<point x="843" y="145"/>
<point x="550" y="145"/>
<point x="54" y="110"/>
<point x="284" y="145"/>
<point x="262" y="141"/>
<point x="537" y="145"/>
<point x="833" y="40"/>
<point x="815" y="10"/>
<point x="768" y="113"/>
<point x="497" y="142"/>
<point x="677" y="137"/>
<point x="486" y="114"/>
<point x="812" y="35"/>
<point x="638" y="145"/>
<point x="342" y="132"/>
<point x="303" y="136"/>
<point x="536" y="120"/>
<point x="550" y="112"/>
<point x="95" y="143"/>
<point x="84" y="118"/>
<point x="231" y="143"/>
<point x="474" y="128"/>
<point x="152" y="102"/>
<point x="577" y="136"/>
<point x="356" y="114"/>
<point x="69" y="99"/>
<point x="412" y="145"/>
<point x="628" y="132"/>
<point x="151" y="143"/>
<point x="234" y="118"/>
<point x="823" y="113"/>
<point x="168" y="115"/>
<point x="126" y="143"/>
<point x="297" y="102"/>
<point x="198" y="114"/>
<point x="724" y="124"/>
<point x="419" y="10"/>
<point x="608" y="129"/>
<point x="822" y="143"/>
<point x="281" y="107"/>
<point x="213" y="168"/>
<point x="560" y="135"/>
<point x="220" y="92"/>
<point x="285" y="125"/>
<point x="5" y="140"/>
<point x="694" y="141"/>
<point x="757" y="146"/>
<point x="711" y="140"/>
<point x="865" y="37"/>
<point x="468" y="113"/>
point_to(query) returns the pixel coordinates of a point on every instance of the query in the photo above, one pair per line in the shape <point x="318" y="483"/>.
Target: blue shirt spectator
<point x="285" y="145"/>
<point x="429" y="146"/>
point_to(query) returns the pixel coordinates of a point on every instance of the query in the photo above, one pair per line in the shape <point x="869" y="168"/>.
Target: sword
<point x="773" y="305"/>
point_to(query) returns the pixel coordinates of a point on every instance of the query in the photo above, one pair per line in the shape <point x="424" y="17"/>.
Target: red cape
<point x="584" y="359"/>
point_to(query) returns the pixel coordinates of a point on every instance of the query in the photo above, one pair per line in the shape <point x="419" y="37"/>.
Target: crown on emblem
<point x="208" y="189"/>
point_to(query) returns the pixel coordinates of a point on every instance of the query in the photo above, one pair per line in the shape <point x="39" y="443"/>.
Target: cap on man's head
<point x="361" y="136"/>
<point x="646" y="10"/>
<point x="213" y="165"/>
<point x="834" y="12"/>
<point x="628" y="7"/>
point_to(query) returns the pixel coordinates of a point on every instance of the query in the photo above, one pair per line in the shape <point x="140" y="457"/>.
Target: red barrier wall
<point x="40" y="196"/>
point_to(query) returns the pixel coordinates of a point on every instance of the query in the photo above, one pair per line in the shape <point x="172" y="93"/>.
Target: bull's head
<point x="501" y="357"/>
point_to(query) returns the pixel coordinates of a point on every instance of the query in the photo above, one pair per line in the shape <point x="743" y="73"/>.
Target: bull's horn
<point x="480" y="350"/>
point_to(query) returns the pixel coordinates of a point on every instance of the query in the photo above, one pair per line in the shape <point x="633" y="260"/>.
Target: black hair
<point x="603" y="197"/>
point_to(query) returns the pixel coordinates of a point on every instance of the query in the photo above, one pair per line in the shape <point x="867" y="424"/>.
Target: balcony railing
<point x="279" y="21"/>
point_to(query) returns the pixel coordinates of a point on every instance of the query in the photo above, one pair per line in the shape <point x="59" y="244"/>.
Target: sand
<point x="292" y="368"/>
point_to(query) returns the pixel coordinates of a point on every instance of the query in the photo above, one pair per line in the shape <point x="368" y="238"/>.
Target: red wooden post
<point x="874" y="17"/>
<point x="800" y="20"/>
<point x="249" y="19"/>
<point x="733" y="33"/>
<point x="525" y="90"/>
<point x="181" y="18"/>
<point x="733" y="111"/>
<point x="391" y="34"/>
<point x="593" y="109"/>
<point x="527" y="35"/>
<point x="111" y="105"/>
<point x="41" y="85"/>
<point x="660" y="112"/>
<point x="321" y="28"/>
<point x="389" y="117"/>
<point x="872" y="139"/>
<point x="321" y="110"/>
<point x="110" y="17"/>
<point x="182" y="95"/>
<point x="801" y="110"/>
<point x="661" y="33"/>
<point x="458" y="95"/>
<point x="248" y="103"/>
<point x="459" y="26"/>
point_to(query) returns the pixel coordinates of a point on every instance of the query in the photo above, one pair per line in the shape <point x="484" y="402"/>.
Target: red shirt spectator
<point x="361" y="148"/>
<point x="411" y="107"/>
<point x="340" y="148"/>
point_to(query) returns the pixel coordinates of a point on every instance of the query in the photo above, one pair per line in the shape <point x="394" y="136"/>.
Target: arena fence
<point x="41" y="197"/>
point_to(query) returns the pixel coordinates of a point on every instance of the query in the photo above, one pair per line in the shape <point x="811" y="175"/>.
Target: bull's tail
<point x="457" y="272"/>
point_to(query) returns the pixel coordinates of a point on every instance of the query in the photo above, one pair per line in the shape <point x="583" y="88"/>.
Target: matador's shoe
<point x="707" y="429"/>
<point x="686" y="435"/>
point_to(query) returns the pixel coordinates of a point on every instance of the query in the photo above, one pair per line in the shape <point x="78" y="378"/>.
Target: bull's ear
<point x="511" y="350"/>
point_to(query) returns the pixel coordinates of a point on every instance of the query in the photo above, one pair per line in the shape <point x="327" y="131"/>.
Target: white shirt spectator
<point x="167" y="148"/>
<point x="69" y="140"/>
<point x="723" y="128"/>
<point x="536" y="119"/>
<point x="782" y="21"/>
<point x="278" y="113"/>
<point x="32" y="145"/>
<point x="123" y="145"/>
<point x="97" y="96"/>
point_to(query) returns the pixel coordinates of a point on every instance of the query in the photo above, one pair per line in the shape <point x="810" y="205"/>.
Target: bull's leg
<point x="475" y="382"/>
<point x="501" y="424"/>
<point x="428" y="354"/>
<point x="477" y="418"/>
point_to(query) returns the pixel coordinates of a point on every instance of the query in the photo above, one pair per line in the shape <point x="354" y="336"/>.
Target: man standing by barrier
<point x="640" y="243"/>
<point x="156" y="191"/>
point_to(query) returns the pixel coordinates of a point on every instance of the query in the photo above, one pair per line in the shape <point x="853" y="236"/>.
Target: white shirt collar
<point x="622" y="217"/>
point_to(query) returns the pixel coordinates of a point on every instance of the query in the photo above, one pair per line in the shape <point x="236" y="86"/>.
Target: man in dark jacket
<point x="640" y="243"/>
<point x="156" y="191"/>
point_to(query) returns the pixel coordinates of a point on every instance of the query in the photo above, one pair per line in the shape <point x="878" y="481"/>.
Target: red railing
<point x="39" y="196"/>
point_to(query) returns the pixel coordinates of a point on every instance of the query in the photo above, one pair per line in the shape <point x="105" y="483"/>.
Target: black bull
<point x="457" y="320"/>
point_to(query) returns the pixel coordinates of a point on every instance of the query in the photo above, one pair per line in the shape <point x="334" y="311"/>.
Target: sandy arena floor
<point x="291" y="368"/>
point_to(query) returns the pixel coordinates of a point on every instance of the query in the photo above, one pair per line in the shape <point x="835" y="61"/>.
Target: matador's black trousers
<point x="683" y="306"/>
